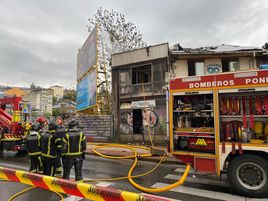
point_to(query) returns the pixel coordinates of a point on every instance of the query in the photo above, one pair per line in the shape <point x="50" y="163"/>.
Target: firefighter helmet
<point x="35" y="127"/>
<point x="59" y="121"/>
<point x="73" y="123"/>
<point x="52" y="126"/>
<point x="41" y="119"/>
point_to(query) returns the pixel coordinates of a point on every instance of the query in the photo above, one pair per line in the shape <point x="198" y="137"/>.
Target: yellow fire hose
<point x="163" y="158"/>
<point x="20" y="193"/>
<point x="135" y="156"/>
<point x="26" y="190"/>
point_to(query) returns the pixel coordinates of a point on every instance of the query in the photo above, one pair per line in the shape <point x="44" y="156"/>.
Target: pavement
<point x="118" y="151"/>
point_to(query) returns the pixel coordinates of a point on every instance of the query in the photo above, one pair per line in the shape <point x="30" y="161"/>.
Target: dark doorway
<point x="137" y="121"/>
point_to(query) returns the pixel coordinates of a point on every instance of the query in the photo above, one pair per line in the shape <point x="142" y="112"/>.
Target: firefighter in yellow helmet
<point x="75" y="147"/>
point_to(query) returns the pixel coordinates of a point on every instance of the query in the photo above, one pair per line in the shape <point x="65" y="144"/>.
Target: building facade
<point x="58" y="91"/>
<point x="40" y="100"/>
<point x="214" y="59"/>
<point x="139" y="94"/>
<point x="140" y="80"/>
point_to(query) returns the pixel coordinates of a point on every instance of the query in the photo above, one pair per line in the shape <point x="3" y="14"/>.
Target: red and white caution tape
<point x="80" y="189"/>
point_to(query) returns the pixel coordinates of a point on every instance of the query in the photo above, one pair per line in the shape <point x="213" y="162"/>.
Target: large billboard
<point x="87" y="92"/>
<point x="87" y="55"/>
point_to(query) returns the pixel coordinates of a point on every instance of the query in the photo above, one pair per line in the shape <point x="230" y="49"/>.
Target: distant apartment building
<point x="58" y="91"/>
<point x="40" y="100"/>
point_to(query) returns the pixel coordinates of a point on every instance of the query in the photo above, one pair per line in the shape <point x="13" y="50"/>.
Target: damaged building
<point x="140" y="80"/>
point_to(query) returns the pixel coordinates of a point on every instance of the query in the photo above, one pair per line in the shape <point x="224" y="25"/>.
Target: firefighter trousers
<point x="49" y="165"/>
<point x="68" y="163"/>
<point x="58" y="171"/>
<point x="36" y="165"/>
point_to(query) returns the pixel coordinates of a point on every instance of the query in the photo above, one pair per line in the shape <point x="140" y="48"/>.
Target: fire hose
<point x="130" y="176"/>
<point x="26" y="190"/>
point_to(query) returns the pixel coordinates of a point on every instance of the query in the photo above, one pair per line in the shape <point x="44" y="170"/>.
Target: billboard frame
<point x="96" y="101"/>
<point x="94" y="65"/>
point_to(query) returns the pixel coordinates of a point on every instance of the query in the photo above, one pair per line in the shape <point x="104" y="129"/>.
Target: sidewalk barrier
<point x="79" y="189"/>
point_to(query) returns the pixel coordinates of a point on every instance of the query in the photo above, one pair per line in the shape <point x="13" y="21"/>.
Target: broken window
<point x="233" y="66"/>
<point x="124" y="78"/>
<point x="230" y="64"/>
<point x="124" y="81"/>
<point x="196" y="68"/>
<point x="141" y="74"/>
<point x="157" y="72"/>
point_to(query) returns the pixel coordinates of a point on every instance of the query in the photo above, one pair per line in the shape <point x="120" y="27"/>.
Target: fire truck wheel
<point x="248" y="175"/>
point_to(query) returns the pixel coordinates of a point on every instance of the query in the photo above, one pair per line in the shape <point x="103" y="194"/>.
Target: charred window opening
<point x="142" y="74"/>
<point x="196" y="67"/>
<point x="230" y="64"/>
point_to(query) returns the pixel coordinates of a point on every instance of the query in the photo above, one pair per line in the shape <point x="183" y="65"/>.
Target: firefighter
<point x="26" y="129"/>
<point x="75" y="146"/>
<point x="33" y="147"/>
<point x="42" y="122"/>
<point x="50" y="149"/>
<point x="61" y="132"/>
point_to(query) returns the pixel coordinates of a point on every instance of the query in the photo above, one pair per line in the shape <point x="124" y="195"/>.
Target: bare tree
<point x="122" y="34"/>
<point x="116" y="34"/>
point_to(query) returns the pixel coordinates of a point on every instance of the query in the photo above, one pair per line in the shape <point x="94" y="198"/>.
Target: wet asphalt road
<point x="198" y="187"/>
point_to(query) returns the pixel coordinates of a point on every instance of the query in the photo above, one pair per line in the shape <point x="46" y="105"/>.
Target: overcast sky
<point x="39" y="39"/>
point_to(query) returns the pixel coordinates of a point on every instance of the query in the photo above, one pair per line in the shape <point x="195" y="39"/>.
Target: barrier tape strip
<point x="79" y="189"/>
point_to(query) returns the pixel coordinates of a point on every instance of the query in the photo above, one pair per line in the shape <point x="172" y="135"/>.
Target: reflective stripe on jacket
<point x="33" y="145"/>
<point x="50" y="145"/>
<point x="75" y="143"/>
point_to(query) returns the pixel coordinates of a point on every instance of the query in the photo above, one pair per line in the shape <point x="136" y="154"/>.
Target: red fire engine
<point x="219" y="124"/>
<point x="11" y="127"/>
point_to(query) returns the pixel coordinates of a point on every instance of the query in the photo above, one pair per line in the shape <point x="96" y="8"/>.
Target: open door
<point x="137" y="121"/>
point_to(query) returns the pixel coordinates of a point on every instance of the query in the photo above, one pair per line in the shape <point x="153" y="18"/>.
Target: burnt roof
<point x="223" y="48"/>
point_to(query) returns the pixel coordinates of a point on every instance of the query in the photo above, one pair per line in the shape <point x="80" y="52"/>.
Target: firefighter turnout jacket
<point x="50" y="144"/>
<point x="61" y="131"/>
<point x="75" y="147"/>
<point x="33" y="143"/>
<point x="74" y="143"/>
<point x="33" y="146"/>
